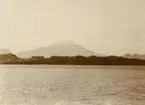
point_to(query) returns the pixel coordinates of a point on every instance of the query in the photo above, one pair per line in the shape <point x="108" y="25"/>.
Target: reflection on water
<point x="71" y="85"/>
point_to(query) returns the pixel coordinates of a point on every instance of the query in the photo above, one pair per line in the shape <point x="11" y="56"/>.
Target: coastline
<point x="79" y="60"/>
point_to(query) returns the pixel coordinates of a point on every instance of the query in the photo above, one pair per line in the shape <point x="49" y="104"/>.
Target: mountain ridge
<point x="59" y="48"/>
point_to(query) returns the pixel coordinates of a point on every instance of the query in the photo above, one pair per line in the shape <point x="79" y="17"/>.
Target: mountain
<point x="135" y="56"/>
<point x="4" y="51"/>
<point x="60" y="48"/>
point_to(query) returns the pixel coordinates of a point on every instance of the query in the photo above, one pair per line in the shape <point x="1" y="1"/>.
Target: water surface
<point x="71" y="85"/>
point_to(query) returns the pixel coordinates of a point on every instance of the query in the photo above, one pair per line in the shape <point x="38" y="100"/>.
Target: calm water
<point x="71" y="85"/>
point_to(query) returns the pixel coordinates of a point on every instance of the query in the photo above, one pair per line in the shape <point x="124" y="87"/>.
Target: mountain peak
<point x="65" y="42"/>
<point x="59" y="48"/>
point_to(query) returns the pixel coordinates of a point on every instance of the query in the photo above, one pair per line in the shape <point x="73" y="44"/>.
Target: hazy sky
<point x="104" y="26"/>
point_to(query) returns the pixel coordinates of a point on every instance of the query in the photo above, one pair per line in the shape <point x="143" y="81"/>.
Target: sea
<point x="72" y="85"/>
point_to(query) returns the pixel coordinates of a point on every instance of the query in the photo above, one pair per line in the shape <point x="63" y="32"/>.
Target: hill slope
<point x="8" y="57"/>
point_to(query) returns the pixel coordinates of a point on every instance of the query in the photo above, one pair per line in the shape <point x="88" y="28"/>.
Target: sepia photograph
<point x="72" y="52"/>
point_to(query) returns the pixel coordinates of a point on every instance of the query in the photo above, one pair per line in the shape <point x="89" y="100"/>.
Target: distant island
<point x="66" y="52"/>
<point x="71" y="60"/>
